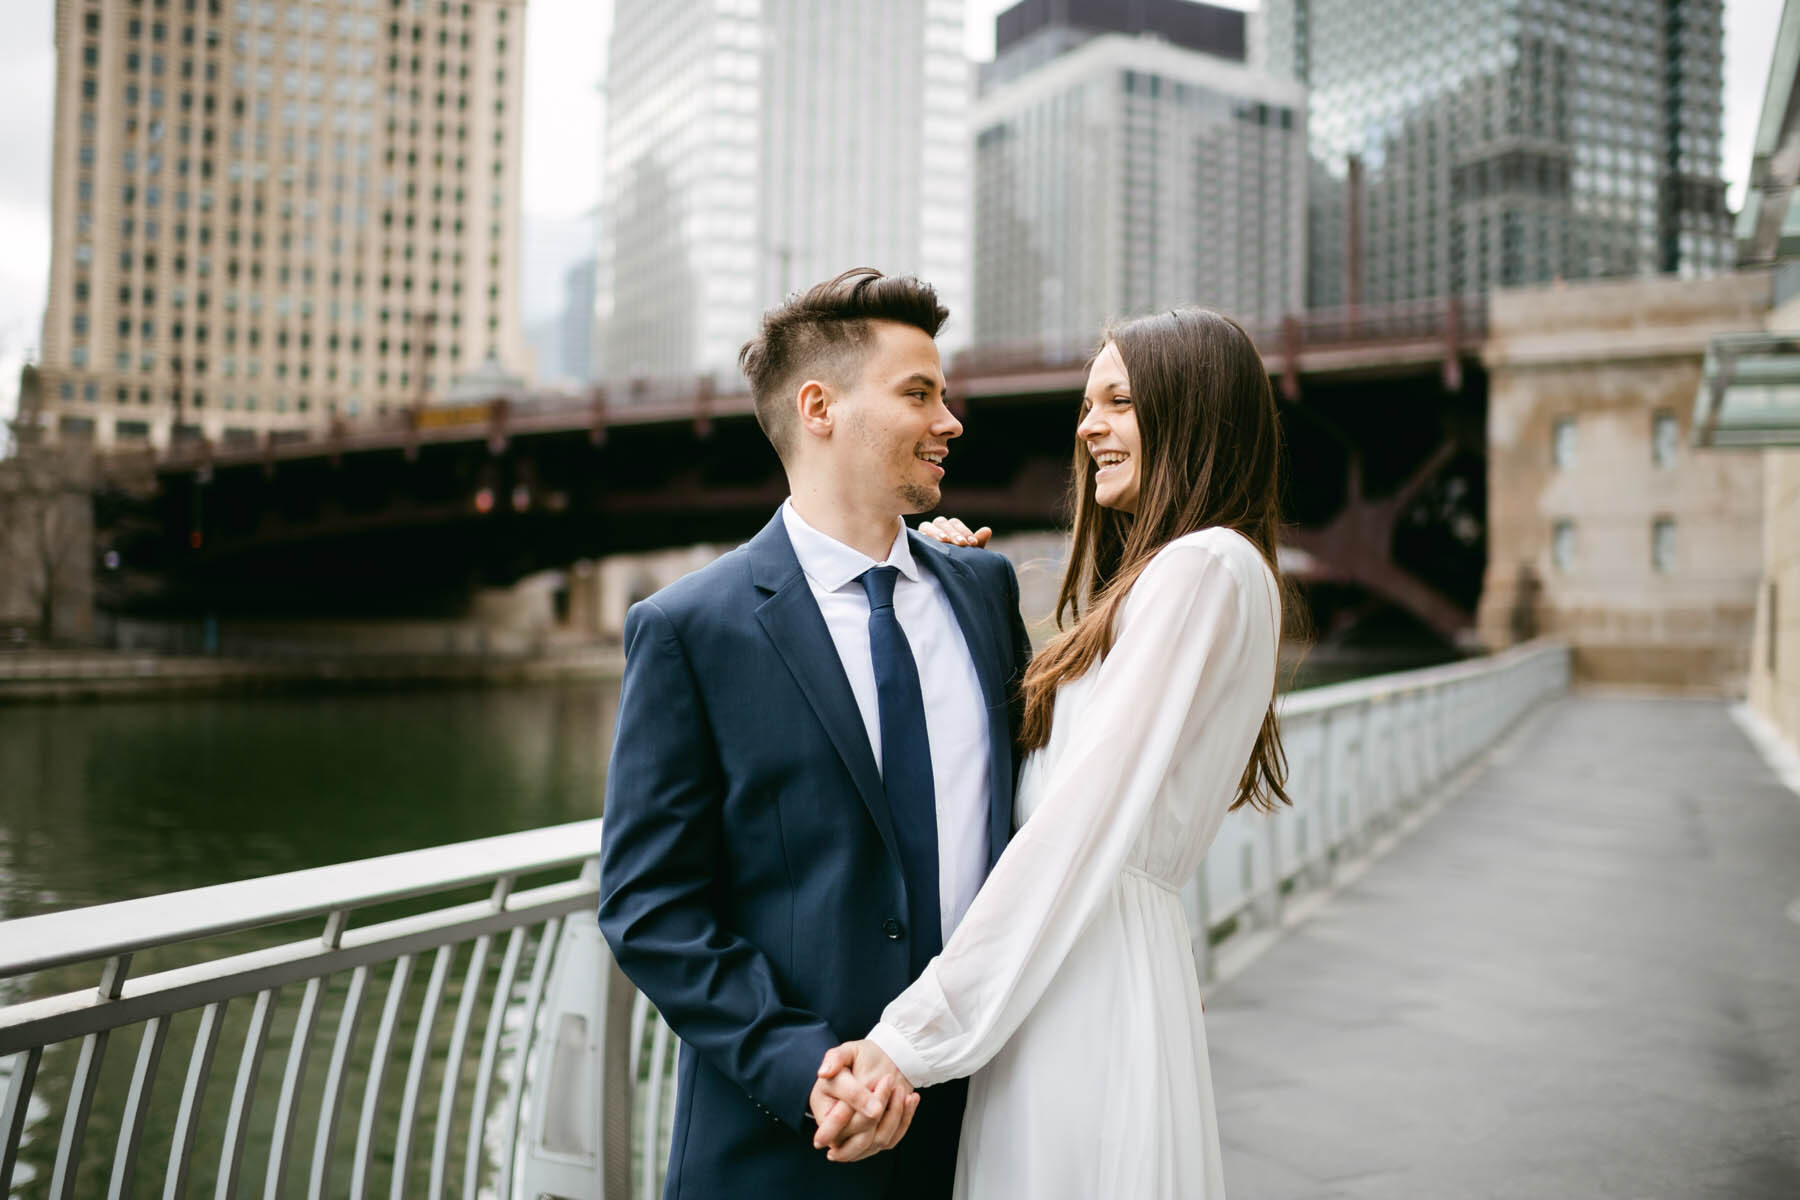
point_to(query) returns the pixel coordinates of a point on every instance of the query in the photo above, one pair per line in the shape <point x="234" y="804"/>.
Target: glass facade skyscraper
<point x="1117" y="173"/>
<point x="1460" y="147"/>
<point x="755" y="147"/>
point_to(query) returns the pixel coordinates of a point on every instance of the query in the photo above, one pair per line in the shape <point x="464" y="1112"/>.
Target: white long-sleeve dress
<point x="1068" y="990"/>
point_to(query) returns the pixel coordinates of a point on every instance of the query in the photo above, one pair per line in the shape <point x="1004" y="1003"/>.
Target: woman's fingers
<point x="953" y="531"/>
<point x="836" y="1059"/>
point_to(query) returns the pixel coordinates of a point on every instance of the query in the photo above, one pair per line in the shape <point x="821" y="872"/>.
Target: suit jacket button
<point x="892" y="928"/>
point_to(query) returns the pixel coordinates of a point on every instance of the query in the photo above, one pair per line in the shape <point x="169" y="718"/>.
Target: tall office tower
<point x="267" y="214"/>
<point x="1485" y="143"/>
<point x="1126" y="159"/>
<point x="755" y="147"/>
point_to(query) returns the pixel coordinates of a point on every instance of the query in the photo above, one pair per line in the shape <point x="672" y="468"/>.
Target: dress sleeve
<point x="1182" y="641"/>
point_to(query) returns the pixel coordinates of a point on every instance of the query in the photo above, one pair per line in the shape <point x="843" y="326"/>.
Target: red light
<point x="195" y="538"/>
<point x="484" y="500"/>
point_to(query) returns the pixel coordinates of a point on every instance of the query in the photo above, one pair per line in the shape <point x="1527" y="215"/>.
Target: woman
<point x="1070" y="983"/>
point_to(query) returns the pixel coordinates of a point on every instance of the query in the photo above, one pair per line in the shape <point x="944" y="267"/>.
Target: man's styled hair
<point x="823" y="333"/>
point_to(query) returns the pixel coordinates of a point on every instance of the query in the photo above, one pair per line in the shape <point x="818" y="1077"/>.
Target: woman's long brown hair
<point x="1210" y="454"/>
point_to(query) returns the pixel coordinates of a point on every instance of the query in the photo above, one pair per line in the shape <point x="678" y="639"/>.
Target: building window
<point x="1662" y="544"/>
<point x="1562" y="544"/>
<point x="131" y="430"/>
<point x="1665" y="439"/>
<point x="1562" y="443"/>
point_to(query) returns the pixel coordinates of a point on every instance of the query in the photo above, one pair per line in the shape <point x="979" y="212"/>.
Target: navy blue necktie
<point x="905" y="764"/>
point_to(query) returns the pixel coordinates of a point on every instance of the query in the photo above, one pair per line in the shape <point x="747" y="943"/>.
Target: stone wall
<point x="1603" y="362"/>
<point x="1775" y="651"/>
<point x="47" y="545"/>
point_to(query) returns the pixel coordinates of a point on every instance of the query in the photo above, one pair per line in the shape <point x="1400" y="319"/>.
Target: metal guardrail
<point x="572" y="1091"/>
<point x="300" y="932"/>
<point x="1361" y="756"/>
<point x="1459" y="321"/>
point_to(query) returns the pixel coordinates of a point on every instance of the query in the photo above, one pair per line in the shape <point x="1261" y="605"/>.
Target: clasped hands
<point x="861" y="1102"/>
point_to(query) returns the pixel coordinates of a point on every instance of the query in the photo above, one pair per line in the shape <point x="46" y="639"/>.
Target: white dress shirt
<point x="955" y="715"/>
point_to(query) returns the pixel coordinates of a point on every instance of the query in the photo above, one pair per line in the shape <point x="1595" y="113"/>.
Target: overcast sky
<point x="565" y="53"/>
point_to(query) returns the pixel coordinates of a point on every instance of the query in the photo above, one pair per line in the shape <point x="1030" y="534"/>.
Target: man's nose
<point x="947" y="425"/>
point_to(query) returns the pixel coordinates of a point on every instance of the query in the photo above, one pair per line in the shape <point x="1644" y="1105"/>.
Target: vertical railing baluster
<point x="640" y="1013"/>
<point x="415" y="1069"/>
<point x="534" y="997"/>
<point x="384" y="1040"/>
<point x="243" y="1092"/>
<point x="332" y="1103"/>
<point x="131" y="1127"/>
<point x="288" y="1107"/>
<point x="21" y="1077"/>
<point x="181" y="1147"/>
<point x="490" y="1049"/>
<point x="459" y="1033"/>
<point x="75" y="1117"/>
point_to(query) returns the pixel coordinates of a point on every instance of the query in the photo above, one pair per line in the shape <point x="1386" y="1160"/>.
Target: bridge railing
<point x="380" y="1086"/>
<point x="1463" y="319"/>
<point x="537" y="1069"/>
<point x="1361" y="757"/>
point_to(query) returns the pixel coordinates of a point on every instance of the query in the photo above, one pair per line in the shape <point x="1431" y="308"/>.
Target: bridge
<point x="1384" y="409"/>
<point x="1510" y="941"/>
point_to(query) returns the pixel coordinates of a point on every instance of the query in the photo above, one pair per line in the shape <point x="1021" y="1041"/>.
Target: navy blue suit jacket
<point x="749" y="883"/>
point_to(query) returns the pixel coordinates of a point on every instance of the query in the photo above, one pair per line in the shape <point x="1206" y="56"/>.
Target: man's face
<point x="892" y="430"/>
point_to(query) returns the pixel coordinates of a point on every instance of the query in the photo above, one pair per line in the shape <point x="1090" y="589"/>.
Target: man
<point x="813" y="767"/>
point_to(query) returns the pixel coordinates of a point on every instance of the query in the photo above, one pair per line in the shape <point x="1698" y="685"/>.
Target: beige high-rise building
<point x="267" y="214"/>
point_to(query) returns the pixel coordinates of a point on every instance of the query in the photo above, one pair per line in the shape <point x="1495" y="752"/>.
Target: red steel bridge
<point x="1384" y="412"/>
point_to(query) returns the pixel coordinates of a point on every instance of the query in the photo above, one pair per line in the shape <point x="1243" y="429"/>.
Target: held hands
<point x="953" y="531"/>
<point x="861" y="1101"/>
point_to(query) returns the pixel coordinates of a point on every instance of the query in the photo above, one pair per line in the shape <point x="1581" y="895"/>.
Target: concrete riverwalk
<point x="1579" y="979"/>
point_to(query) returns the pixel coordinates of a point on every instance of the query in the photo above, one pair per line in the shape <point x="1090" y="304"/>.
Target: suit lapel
<point x="790" y="616"/>
<point x="992" y="667"/>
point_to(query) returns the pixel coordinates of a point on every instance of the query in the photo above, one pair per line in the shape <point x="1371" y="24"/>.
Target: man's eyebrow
<point x="921" y="377"/>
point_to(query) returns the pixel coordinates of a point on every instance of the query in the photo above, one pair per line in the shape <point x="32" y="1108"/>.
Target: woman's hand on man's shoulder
<point x="952" y="532"/>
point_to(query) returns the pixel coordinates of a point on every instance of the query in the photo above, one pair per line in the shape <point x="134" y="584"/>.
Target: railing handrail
<point x="1308" y="701"/>
<point x="105" y="930"/>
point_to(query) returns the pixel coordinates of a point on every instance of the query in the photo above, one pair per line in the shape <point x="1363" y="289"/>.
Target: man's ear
<point x="812" y="404"/>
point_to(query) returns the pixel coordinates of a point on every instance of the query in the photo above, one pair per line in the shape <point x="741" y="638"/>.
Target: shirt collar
<point x="831" y="564"/>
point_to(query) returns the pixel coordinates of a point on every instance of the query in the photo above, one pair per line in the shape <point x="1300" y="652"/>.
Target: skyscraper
<point x="267" y="214"/>
<point x="754" y="147"/>
<point x="1459" y="147"/>
<point x="1126" y="159"/>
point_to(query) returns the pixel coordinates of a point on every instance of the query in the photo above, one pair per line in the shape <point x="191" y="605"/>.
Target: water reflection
<point x="110" y="801"/>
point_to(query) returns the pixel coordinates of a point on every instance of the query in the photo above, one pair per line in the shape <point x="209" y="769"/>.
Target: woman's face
<point x="1110" y="431"/>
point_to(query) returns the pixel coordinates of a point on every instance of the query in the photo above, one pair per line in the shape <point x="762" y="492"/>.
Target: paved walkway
<point x="1579" y="979"/>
